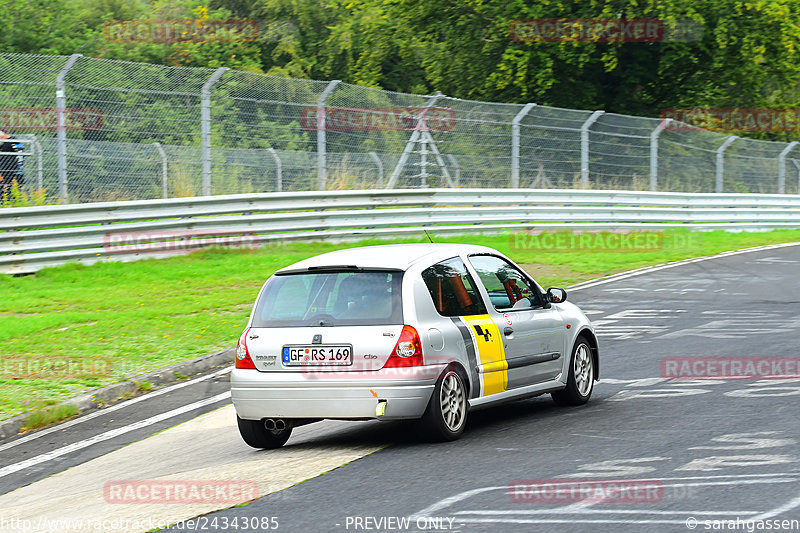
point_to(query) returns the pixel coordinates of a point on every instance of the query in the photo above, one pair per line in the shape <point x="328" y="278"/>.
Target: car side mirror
<point x="556" y="295"/>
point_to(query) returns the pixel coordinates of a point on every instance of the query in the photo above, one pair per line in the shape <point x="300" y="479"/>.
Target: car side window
<point x="452" y="289"/>
<point x="508" y="288"/>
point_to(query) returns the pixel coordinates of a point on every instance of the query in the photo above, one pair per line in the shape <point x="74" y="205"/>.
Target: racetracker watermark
<point x="46" y="119"/>
<point x="181" y="31"/>
<point x="161" y="491"/>
<point x="54" y="367"/>
<point x="604" y="30"/>
<point x="174" y="242"/>
<point x="731" y="120"/>
<point x="699" y="368"/>
<point x="604" y="241"/>
<point x="378" y="119"/>
<point x="593" y="491"/>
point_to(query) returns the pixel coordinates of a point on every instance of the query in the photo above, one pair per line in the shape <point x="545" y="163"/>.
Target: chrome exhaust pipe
<point x="280" y="424"/>
<point x="269" y="424"/>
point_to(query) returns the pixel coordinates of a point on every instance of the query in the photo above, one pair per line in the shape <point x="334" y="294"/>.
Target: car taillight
<point x="243" y="359"/>
<point x="407" y="351"/>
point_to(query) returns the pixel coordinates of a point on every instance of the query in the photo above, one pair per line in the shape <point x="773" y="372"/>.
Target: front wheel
<point x="446" y="415"/>
<point x="256" y="435"/>
<point x="580" y="381"/>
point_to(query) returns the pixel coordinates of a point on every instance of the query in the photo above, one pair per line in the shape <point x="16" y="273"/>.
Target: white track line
<point x="648" y="270"/>
<point x="106" y="410"/>
<point x="788" y="506"/>
<point x="75" y="446"/>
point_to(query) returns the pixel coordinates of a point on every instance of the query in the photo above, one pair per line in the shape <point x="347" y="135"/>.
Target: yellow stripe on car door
<point x="492" y="356"/>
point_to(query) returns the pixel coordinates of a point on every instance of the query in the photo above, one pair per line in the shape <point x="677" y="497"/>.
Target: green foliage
<point x="747" y="56"/>
<point x="49" y="415"/>
<point x="16" y="197"/>
<point x="76" y="26"/>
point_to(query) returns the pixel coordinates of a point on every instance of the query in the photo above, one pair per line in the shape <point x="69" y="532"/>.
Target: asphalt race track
<point x="660" y="447"/>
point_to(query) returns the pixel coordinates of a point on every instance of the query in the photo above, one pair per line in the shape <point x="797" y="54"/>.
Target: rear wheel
<point x="446" y="415"/>
<point x="256" y="435"/>
<point x="580" y="381"/>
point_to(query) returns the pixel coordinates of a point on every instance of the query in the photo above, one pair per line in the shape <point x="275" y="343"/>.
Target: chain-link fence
<point x="103" y="130"/>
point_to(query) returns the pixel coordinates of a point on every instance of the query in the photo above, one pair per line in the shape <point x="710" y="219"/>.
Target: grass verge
<point x="73" y="328"/>
<point x="49" y="415"/>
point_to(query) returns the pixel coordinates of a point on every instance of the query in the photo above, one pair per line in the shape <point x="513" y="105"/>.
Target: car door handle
<point x="508" y="331"/>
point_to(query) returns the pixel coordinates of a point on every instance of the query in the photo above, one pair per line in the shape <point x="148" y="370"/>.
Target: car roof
<point x="387" y="256"/>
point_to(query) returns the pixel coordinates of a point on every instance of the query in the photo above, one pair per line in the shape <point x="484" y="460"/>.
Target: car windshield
<point x="331" y="298"/>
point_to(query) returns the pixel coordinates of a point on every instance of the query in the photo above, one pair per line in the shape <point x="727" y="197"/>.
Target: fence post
<point x="278" y="169"/>
<point x="322" y="163"/>
<point x="379" y="164"/>
<point x="164" y="169"/>
<point x="721" y="160"/>
<point x="782" y="166"/>
<point x="515" y="144"/>
<point x="39" y="175"/>
<point x="585" y="148"/>
<point x="61" y="130"/>
<point x="662" y="125"/>
<point x="205" y="127"/>
<point x="457" y="167"/>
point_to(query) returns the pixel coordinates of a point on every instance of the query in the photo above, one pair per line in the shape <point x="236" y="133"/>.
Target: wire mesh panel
<point x="480" y="140"/>
<point x="137" y="131"/>
<point x="299" y="170"/>
<point x="687" y="159"/>
<point x="240" y="171"/>
<point x="257" y="111"/>
<point x="793" y="176"/>
<point x="751" y="166"/>
<point x="184" y="171"/>
<point x="101" y="171"/>
<point x="28" y="107"/>
<point x="138" y="102"/>
<point x="619" y="152"/>
<point x="49" y="168"/>
<point x="550" y="147"/>
<point x="353" y="170"/>
<point x="361" y="119"/>
<point x="27" y="81"/>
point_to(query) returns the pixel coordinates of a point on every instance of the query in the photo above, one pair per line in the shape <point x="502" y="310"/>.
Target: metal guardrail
<point x="35" y="237"/>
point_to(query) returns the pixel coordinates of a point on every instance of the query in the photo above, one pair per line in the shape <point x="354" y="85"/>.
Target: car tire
<point x="446" y="414"/>
<point x="580" y="381"/>
<point x="256" y="435"/>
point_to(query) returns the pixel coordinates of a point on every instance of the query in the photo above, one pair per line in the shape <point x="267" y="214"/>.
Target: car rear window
<point x="330" y="298"/>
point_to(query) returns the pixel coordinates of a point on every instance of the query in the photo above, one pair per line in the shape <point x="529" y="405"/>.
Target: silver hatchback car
<point x="408" y="331"/>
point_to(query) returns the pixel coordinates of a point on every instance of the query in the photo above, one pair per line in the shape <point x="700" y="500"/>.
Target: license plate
<point x="316" y="354"/>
